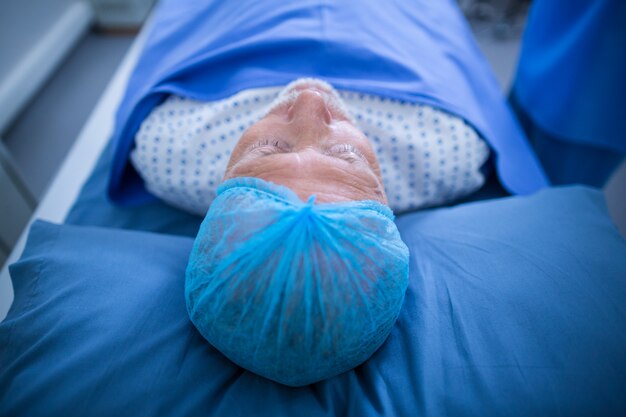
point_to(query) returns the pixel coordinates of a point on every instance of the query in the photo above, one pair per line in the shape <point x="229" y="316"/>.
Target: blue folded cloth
<point x="418" y="51"/>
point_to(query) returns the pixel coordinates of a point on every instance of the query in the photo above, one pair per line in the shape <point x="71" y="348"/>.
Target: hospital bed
<point x="78" y="164"/>
<point x="515" y="306"/>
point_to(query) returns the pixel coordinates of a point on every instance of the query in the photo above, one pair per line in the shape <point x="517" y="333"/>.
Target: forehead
<point x="311" y="172"/>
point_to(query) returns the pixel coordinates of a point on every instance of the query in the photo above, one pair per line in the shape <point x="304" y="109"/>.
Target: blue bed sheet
<point x="515" y="307"/>
<point x="93" y="208"/>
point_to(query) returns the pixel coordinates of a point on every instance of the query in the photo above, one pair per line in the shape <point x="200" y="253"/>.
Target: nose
<point x="310" y="109"/>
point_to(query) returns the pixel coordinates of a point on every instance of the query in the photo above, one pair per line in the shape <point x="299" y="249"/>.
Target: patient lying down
<point x="298" y="272"/>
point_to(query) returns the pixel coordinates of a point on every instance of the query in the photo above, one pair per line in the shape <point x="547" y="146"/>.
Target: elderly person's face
<point x="308" y="143"/>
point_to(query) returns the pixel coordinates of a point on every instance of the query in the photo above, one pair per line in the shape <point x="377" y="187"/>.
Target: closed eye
<point x="346" y="152"/>
<point x="269" y="146"/>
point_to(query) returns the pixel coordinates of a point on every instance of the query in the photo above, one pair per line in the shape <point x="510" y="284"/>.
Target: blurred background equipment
<point x="503" y="19"/>
<point x="57" y="57"/>
<point x="121" y="15"/>
<point x="35" y="38"/>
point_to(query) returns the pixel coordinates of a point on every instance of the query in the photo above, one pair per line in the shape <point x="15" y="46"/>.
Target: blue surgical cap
<point x="295" y="292"/>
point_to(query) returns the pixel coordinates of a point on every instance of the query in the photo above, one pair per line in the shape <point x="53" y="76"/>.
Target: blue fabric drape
<point x="570" y="87"/>
<point x="418" y="51"/>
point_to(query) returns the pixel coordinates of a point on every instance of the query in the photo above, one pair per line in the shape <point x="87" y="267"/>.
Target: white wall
<point x="35" y="36"/>
<point x="22" y="24"/>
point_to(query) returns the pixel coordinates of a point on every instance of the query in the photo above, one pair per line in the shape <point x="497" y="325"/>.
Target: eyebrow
<point x="356" y="157"/>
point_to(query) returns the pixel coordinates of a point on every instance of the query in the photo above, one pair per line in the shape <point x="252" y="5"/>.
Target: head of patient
<point x="307" y="142"/>
<point x="298" y="271"/>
